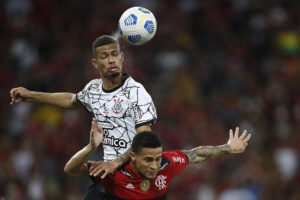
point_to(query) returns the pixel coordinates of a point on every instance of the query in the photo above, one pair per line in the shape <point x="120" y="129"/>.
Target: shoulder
<point x="93" y="84"/>
<point x="175" y="156"/>
<point x="133" y="83"/>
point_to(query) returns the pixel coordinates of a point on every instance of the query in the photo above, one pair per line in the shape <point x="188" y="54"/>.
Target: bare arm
<point x="235" y="144"/>
<point x="76" y="165"/>
<point x="64" y="99"/>
<point x="106" y="168"/>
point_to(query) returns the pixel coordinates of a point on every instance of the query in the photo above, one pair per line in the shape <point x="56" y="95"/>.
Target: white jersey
<point x="120" y="111"/>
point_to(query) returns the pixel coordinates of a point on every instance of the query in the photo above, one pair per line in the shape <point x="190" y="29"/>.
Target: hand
<point x="19" y="94"/>
<point x="96" y="134"/>
<point x="238" y="143"/>
<point x="102" y="168"/>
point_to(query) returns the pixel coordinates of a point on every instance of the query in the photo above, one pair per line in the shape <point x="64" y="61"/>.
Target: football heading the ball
<point x="137" y="25"/>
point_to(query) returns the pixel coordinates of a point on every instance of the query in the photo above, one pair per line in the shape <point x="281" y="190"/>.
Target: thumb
<point x="90" y="162"/>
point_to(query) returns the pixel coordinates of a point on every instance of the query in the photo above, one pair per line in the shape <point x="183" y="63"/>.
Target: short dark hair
<point x="101" y="41"/>
<point x="145" y="139"/>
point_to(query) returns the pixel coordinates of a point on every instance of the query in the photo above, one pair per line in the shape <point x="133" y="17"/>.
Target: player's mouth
<point x="152" y="173"/>
<point x="113" y="68"/>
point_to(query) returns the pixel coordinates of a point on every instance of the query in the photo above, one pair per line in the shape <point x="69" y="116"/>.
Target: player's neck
<point x="111" y="83"/>
<point x="135" y="170"/>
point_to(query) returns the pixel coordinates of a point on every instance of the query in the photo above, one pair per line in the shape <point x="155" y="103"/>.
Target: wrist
<point x="91" y="147"/>
<point x="228" y="148"/>
<point x="115" y="163"/>
<point x="33" y="96"/>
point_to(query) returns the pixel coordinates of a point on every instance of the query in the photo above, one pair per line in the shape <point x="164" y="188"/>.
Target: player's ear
<point x="133" y="156"/>
<point x="94" y="62"/>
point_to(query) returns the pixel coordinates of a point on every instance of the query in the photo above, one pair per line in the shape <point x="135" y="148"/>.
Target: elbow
<point x="68" y="170"/>
<point x="73" y="102"/>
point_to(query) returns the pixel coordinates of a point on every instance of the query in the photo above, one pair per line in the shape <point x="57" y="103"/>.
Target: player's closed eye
<point x="152" y="159"/>
<point x="115" y="53"/>
<point x="148" y="159"/>
<point x="104" y="55"/>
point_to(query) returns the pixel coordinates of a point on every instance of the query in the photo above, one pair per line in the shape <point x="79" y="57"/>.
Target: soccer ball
<point x="137" y="25"/>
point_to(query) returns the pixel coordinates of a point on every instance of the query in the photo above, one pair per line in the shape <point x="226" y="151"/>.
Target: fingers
<point x="247" y="138"/>
<point x="94" y="123"/>
<point x="236" y="133"/>
<point x="95" y="168"/>
<point x="104" y="174"/>
<point x="230" y="134"/>
<point x="15" y="96"/>
<point x="92" y="165"/>
<point x="243" y="135"/>
<point x="12" y="91"/>
<point x="98" y="170"/>
<point x="15" y="101"/>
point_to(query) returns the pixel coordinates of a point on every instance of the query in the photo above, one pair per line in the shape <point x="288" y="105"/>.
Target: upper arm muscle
<point x="143" y="128"/>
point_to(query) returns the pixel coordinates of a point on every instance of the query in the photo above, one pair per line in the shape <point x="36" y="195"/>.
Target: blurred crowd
<point x="212" y="66"/>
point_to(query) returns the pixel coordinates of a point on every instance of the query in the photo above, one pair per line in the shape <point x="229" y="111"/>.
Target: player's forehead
<point x="151" y="152"/>
<point x="108" y="48"/>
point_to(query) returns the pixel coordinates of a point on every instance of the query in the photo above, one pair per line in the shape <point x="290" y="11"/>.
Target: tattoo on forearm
<point x="124" y="158"/>
<point x="207" y="152"/>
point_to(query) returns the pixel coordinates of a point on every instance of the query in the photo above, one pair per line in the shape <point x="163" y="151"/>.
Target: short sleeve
<point x="84" y="98"/>
<point x="144" y="109"/>
<point x="178" y="161"/>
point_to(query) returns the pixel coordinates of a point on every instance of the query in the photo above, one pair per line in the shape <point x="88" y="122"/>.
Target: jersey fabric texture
<point x="125" y="184"/>
<point x="120" y="111"/>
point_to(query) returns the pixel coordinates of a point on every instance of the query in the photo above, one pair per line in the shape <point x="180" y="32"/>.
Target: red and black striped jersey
<point x="126" y="184"/>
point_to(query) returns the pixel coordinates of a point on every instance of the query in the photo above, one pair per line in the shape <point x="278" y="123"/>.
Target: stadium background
<point x="212" y="65"/>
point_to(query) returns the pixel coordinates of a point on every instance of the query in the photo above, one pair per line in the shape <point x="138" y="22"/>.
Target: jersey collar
<point x="126" y="76"/>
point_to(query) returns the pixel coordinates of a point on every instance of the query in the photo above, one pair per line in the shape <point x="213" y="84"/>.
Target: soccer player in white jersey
<point x="121" y="105"/>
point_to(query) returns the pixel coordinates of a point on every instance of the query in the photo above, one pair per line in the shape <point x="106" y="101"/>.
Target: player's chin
<point x="115" y="74"/>
<point x="151" y="175"/>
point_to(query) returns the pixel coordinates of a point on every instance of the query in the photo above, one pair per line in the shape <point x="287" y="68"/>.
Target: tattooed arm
<point x="235" y="144"/>
<point x="105" y="168"/>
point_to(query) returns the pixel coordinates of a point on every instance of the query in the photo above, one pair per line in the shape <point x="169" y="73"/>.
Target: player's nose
<point x="111" y="59"/>
<point x="154" y="166"/>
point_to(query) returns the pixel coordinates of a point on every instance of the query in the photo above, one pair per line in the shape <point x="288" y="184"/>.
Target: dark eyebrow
<point x="154" y="158"/>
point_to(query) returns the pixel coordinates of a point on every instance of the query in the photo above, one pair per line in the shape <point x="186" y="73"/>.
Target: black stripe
<point x="151" y="122"/>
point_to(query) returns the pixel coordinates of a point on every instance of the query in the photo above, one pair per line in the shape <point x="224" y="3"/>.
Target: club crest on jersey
<point x="160" y="182"/>
<point x="117" y="107"/>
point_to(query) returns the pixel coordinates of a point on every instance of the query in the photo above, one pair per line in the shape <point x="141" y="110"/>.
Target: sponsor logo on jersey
<point x="124" y="171"/>
<point x="136" y="111"/>
<point x="106" y="125"/>
<point x="114" y="142"/>
<point x="129" y="186"/>
<point x="164" y="163"/>
<point x="117" y="107"/>
<point x="161" y="182"/>
<point x="178" y="159"/>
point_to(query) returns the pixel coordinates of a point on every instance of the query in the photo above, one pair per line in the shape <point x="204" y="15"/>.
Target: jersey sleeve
<point x="84" y="98"/>
<point x="178" y="161"/>
<point x="143" y="108"/>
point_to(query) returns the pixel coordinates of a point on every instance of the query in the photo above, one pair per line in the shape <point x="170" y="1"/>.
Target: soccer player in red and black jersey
<point x="150" y="170"/>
